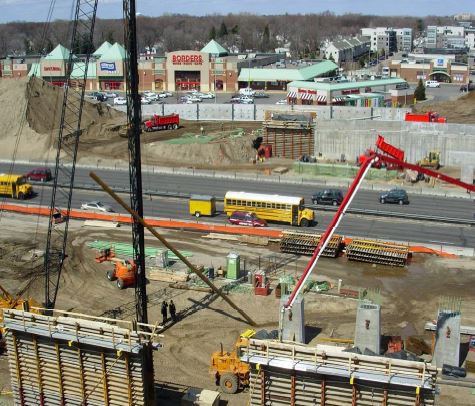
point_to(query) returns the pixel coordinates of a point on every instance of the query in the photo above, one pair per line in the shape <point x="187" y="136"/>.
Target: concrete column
<point x="447" y="339"/>
<point x="368" y="327"/>
<point x="292" y="321"/>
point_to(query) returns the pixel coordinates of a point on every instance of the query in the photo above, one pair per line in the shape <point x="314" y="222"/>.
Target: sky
<point x="37" y="10"/>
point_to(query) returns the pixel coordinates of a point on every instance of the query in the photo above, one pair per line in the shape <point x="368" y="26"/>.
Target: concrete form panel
<point x="58" y="360"/>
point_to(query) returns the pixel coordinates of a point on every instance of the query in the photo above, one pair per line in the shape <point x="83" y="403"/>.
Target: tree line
<point x="239" y="32"/>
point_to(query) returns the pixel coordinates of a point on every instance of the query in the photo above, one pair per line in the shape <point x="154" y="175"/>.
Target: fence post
<point x="197" y="111"/>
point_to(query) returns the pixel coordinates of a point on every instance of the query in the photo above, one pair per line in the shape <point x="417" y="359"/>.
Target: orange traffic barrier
<point x="228" y="229"/>
<point x="79" y="214"/>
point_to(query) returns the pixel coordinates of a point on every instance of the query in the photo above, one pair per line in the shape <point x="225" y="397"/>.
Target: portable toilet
<point x="161" y="260"/>
<point x="233" y="268"/>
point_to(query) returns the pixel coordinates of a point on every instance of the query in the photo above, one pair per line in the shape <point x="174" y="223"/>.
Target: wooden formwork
<point x="71" y="361"/>
<point x="306" y="243"/>
<point x="290" y="374"/>
<point x="377" y="252"/>
<point x="289" y="139"/>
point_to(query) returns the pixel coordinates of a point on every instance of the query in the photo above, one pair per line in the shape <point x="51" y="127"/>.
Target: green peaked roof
<point x="102" y="49"/>
<point x="115" y="53"/>
<point x="214" y="48"/>
<point x="60" y="53"/>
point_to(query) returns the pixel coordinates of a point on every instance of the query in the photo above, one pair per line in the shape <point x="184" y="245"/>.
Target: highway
<point x="354" y="225"/>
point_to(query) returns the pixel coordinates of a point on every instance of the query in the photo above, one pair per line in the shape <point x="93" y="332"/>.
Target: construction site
<point x="123" y="308"/>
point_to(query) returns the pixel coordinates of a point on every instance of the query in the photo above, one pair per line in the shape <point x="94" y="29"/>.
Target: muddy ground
<point x="409" y="295"/>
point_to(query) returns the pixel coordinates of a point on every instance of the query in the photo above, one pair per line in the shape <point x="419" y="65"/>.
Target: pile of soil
<point x="31" y="111"/>
<point x="460" y="111"/>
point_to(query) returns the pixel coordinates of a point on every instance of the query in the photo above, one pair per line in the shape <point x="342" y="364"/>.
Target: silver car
<point x="97" y="207"/>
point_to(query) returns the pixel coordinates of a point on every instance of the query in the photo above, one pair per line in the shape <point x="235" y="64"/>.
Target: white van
<point x="432" y="83"/>
<point x="247" y="92"/>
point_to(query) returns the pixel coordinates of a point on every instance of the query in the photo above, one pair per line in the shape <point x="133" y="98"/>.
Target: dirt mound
<point x="460" y="111"/>
<point x="99" y="120"/>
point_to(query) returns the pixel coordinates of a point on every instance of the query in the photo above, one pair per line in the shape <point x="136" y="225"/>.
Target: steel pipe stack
<point x="305" y="243"/>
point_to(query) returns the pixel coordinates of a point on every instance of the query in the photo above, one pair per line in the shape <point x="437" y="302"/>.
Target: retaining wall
<point x="456" y="142"/>
<point x="250" y="112"/>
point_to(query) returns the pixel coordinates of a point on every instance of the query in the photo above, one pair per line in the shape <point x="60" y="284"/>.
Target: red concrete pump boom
<point x="390" y="159"/>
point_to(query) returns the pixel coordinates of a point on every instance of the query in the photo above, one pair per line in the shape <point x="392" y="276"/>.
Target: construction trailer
<point x="291" y="135"/>
<point x="293" y="374"/>
<point x="72" y="359"/>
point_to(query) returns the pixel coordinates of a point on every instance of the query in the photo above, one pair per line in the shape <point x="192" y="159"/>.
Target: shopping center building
<point x="210" y="69"/>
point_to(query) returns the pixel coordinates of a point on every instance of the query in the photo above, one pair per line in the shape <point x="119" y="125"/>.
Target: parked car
<point x="167" y="94"/>
<point x="468" y="87"/>
<point x="246" y="100"/>
<point x="328" y="196"/>
<point x="247" y="91"/>
<point x="110" y="95"/>
<point x="97" y="206"/>
<point x="260" y="95"/>
<point x="145" y="100"/>
<point x="162" y="95"/>
<point x="243" y="218"/>
<point x="193" y="99"/>
<point x="208" y="95"/>
<point x="394" y="196"/>
<point x="151" y="96"/>
<point x="120" y="100"/>
<point x="283" y="101"/>
<point x="98" y="96"/>
<point x="432" y="83"/>
<point x="39" y="175"/>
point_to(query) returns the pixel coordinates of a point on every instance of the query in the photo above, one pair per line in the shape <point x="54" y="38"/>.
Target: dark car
<point x="467" y="87"/>
<point x="328" y="196"/>
<point x="99" y="96"/>
<point x="394" y="196"/>
<point x="39" y="175"/>
<point x="243" y="218"/>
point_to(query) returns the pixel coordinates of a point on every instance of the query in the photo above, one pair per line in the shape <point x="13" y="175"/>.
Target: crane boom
<point x="355" y="185"/>
<point x="67" y="146"/>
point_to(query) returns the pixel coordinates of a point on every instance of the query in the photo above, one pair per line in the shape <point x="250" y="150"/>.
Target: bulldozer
<point x="431" y="160"/>
<point x="124" y="273"/>
<point x="230" y="372"/>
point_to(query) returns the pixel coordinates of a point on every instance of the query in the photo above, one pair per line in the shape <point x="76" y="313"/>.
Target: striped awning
<point x="337" y="99"/>
<point x="321" y="98"/>
<point x="292" y="95"/>
<point x="307" y="96"/>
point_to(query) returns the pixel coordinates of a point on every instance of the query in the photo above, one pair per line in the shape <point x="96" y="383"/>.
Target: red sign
<point x="187" y="60"/>
<point x="52" y="69"/>
<point x="307" y="91"/>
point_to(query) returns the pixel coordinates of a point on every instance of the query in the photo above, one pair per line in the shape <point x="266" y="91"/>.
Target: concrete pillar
<point x="292" y="321"/>
<point x="466" y="174"/>
<point x="368" y="327"/>
<point x="447" y="339"/>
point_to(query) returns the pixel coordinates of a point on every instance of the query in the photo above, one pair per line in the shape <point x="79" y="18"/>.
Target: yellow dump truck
<point x="202" y="205"/>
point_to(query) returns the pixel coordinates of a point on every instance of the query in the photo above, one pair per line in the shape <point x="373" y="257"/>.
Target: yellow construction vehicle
<point x="432" y="160"/>
<point x="229" y="371"/>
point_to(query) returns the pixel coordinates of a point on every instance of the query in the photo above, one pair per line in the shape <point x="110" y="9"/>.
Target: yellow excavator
<point x="431" y="160"/>
<point x="8" y="301"/>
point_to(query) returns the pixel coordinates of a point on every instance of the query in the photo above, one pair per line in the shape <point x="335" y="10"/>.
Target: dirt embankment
<point x="461" y="111"/>
<point x="31" y="112"/>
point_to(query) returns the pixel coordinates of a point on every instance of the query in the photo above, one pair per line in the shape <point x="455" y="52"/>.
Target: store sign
<point x="52" y="68"/>
<point x="108" y="66"/>
<point x="440" y="62"/>
<point x="187" y="60"/>
<point x="307" y="91"/>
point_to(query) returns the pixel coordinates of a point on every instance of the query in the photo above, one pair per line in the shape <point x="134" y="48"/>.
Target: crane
<point x="67" y="147"/>
<point x="384" y="154"/>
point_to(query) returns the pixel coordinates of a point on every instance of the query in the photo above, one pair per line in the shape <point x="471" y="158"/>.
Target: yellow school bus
<point x="15" y="186"/>
<point x="285" y="209"/>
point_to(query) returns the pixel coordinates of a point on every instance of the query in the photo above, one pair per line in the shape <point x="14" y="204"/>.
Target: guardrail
<point x="365" y="212"/>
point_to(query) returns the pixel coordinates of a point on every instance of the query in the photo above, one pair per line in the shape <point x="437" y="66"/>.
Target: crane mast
<point x="67" y="146"/>
<point x="135" y="165"/>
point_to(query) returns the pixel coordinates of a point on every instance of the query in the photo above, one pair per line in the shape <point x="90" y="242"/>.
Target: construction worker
<point x="172" y="310"/>
<point x="164" y="311"/>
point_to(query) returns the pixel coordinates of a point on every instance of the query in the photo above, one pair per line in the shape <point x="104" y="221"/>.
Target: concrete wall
<point x="447" y="339"/>
<point x="351" y="138"/>
<point x="245" y="112"/>
<point x="292" y="322"/>
<point x="368" y="327"/>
